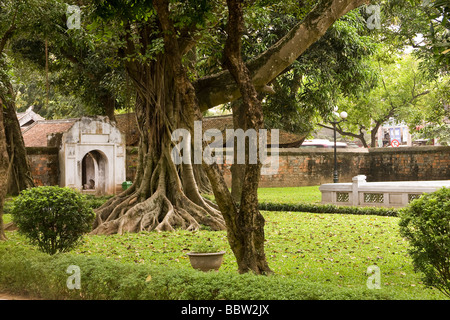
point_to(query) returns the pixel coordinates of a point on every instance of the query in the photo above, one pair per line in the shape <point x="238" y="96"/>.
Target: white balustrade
<point x="385" y="194"/>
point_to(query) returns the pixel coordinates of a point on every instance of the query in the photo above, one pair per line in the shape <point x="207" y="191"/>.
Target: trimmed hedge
<point x="322" y="208"/>
<point x="28" y="271"/>
<point x="329" y="208"/>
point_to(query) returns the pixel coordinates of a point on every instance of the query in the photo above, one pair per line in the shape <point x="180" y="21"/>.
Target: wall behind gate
<point x="44" y="165"/>
<point x="303" y="167"/>
<point x="409" y="164"/>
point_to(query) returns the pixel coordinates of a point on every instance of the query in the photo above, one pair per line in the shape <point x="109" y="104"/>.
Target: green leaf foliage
<point x="426" y="225"/>
<point x="205" y="247"/>
<point x="52" y="218"/>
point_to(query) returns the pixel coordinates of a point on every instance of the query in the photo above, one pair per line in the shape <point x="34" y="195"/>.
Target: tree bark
<point x="163" y="196"/>
<point x="373" y="136"/>
<point x="109" y="104"/>
<point x="19" y="177"/>
<point x="4" y="166"/>
<point x="237" y="169"/>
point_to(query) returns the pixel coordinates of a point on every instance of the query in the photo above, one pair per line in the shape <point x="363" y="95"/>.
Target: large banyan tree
<point x="158" y="42"/>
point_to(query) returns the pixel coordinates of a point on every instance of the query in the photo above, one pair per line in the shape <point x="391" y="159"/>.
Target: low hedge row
<point x="28" y="271"/>
<point x="322" y="208"/>
<point x="329" y="208"/>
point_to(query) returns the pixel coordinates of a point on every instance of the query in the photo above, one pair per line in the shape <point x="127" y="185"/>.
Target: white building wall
<point x="87" y="135"/>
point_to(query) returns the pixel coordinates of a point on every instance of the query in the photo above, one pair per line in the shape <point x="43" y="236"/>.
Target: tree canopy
<point x="402" y="93"/>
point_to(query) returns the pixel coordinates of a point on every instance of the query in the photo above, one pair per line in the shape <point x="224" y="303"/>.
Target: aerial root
<point x="160" y="214"/>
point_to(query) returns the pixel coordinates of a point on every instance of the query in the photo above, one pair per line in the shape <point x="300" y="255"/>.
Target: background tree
<point x="30" y="83"/>
<point x="82" y="79"/>
<point x="402" y="93"/>
<point x="423" y="28"/>
<point x="422" y="25"/>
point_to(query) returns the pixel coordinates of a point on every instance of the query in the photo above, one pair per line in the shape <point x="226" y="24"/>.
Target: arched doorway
<point x="94" y="172"/>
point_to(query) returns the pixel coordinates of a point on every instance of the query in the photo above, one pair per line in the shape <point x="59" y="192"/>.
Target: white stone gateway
<point x="384" y="194"/>
<point x="92" y="156"/>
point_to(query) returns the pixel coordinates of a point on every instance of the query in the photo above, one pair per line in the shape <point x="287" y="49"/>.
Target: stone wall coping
<point x="307" y="150"/>
<point x="294" y="151"/>
<point x="393" y="193"/>
<point x="411" y="149"/>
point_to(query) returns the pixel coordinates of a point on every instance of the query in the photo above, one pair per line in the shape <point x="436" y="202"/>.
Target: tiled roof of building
<point x="36" y="134"/>
<point x="28" y="117"/>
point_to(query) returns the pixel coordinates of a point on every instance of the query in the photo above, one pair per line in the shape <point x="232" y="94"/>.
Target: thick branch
<point x="359" y="136"/>
<point x="220" y="88"/>
<point x="342" y="132"/>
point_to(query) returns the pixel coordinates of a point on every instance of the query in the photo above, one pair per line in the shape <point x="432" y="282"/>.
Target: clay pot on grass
<point x="205" y="256"/>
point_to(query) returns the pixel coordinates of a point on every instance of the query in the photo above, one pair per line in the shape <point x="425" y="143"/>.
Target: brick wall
<point x="131" y="163"/>
<point x="44" y="164"/>
<point x="299" y="167"/>
<point x="409" y="164"/>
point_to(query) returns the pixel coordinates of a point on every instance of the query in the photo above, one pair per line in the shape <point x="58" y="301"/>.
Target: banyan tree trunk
<point x="19" y="177"/>
<point x="163" y="196"/>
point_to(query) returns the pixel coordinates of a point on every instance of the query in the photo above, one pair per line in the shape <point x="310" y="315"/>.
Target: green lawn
<point x="331" y="249"/>
<point x="290" y="195"/>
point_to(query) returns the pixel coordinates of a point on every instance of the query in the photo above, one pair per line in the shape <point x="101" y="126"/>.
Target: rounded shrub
<point x="53" y="218"/>
<point x="425" y="223"/>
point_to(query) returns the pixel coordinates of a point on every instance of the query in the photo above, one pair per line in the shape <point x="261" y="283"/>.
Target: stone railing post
<point x="357" y="181"/>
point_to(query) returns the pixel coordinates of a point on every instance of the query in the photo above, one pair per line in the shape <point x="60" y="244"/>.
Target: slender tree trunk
<point x="4" y="164"/>
<point x="109" y="105"/>
<point x="373" y="134"/>
<point x="248" y="233"/>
